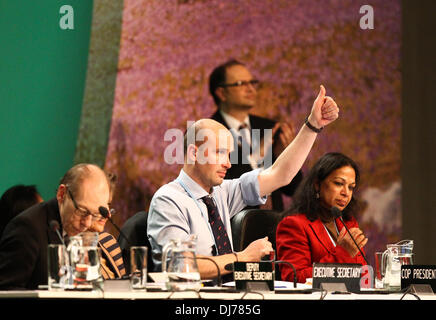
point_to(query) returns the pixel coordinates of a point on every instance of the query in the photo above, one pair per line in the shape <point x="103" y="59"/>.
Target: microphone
<point x="105" y="214"/>
<point x="54" y="226"/>
<point x="229" y="266"/>
<point x="338" y="214"/>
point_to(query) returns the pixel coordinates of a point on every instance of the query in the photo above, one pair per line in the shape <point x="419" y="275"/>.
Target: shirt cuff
<point x="250" y="188"/>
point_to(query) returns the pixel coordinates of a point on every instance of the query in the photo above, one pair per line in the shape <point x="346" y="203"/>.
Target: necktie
<point x="244" y="134"/>
<point x="244" y="141"/>
<point x="219" y="232"/>
<point x="111" y="252"/>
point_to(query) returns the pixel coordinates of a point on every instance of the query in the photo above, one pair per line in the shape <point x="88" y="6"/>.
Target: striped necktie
<point x="111" y="252"/>
<point x="222" y="240"/>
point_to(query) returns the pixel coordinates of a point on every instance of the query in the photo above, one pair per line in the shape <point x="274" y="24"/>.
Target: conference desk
<point x="233" y="296"/>
<point x="215" y="305"/>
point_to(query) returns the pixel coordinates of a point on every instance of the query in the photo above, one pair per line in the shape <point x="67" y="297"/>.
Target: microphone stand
<point x="105" y="214"/>
<point x="338" y="214"/>
<point x="293" y="268"/>
<point x="361" y="252"/>
<point x="54" y="226"/>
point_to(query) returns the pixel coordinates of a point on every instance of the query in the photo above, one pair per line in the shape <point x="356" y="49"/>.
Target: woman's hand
<point x="345" y="241"/>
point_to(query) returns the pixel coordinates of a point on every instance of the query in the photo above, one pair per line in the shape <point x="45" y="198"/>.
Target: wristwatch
<point x="311" y="127"/>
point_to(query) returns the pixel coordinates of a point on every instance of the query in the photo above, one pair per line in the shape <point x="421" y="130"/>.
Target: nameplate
<point x="418" y="274"/>
<point x="348" y="274"/>
<point x="252" y="272"/>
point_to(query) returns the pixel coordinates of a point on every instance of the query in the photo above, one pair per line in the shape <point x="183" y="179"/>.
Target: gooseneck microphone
<point x="338" y="214"/>
<point x="293" y="268"/>
<point x="54" y="226"/>
<point x="105" y="214"/>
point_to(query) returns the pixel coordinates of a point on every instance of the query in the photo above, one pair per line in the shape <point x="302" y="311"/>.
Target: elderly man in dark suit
<point x="233" y="89"/>
<point x="23" y="246"/>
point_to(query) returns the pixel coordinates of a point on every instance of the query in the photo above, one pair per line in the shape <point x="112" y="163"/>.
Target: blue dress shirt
<point x="177" y="211"/>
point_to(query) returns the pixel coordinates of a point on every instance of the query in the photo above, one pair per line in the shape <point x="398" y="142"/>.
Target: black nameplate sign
<point x="348" y="274"/>
<point x="249" y="272"/>
<point x="418" y="274"/>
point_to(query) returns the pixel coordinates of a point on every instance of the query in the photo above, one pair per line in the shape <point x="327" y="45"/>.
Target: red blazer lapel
<point x="321" y="234"/>
<point x="341" y="225"/>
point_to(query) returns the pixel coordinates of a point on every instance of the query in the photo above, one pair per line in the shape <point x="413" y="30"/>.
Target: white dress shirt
<point x="252" y="158"/>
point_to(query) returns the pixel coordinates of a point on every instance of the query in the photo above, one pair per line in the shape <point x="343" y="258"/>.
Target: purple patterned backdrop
<point x="169" y="47"/>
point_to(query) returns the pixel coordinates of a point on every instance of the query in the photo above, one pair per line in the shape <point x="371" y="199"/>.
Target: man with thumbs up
<point x="201" y="201"/>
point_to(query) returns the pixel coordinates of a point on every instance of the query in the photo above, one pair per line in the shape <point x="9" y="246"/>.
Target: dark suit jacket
<point x="303" y="242"/>
<point x="237" y="169"/>
<point x="23" y="247"/>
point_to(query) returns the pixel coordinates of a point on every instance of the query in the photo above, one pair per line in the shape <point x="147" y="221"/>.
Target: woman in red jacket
<point x="309" y="232"/>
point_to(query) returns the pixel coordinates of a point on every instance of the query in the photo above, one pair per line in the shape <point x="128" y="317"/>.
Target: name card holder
<point x="334" y="287"/>
<point x="421" y="289"/>
<point x="421" y="277"/>
<point x="253" y="276"/>
<point x="337" y="277"/>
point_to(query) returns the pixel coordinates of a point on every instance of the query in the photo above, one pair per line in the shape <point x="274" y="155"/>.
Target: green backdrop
<point x="42" y="79"/>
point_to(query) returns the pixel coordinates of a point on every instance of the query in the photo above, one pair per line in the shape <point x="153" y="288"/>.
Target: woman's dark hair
<point x="305" y="199"/>
<point x="15" y="200"/>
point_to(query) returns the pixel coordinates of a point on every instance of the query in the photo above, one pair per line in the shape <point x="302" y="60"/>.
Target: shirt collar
<point x="197" y="191"/>
<point x="234" y="123"/>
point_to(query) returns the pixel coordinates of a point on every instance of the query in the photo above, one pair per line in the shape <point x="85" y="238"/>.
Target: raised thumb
<point x="321" y="94"/>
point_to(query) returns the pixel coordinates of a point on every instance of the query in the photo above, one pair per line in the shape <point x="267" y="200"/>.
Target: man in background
<point x="234" y="91"/>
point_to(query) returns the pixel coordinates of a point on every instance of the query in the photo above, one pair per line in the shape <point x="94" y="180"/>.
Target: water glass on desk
<point x="57" y="267"/>
<point x="138" y="267"/>
<point x="379" y="271"/>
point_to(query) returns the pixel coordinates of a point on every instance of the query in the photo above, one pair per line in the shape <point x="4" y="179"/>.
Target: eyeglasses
<point x="241" y="83"/>
<point x="83" y="213"/>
